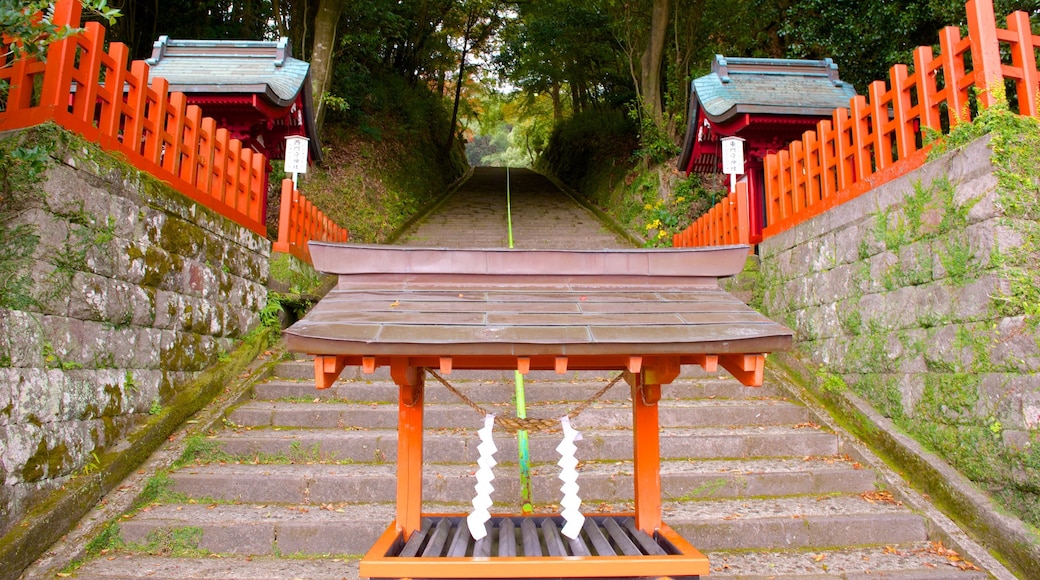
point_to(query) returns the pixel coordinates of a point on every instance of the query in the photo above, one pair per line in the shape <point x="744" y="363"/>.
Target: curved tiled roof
<point x="231" y="66"/>
<point x="771" y="86"/>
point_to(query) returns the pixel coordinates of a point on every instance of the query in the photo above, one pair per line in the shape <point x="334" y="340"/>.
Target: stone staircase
<point x="298" y="483"/>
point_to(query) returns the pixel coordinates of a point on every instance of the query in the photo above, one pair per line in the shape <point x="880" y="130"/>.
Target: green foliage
<point x="586" y="150"/>
<point x="33" y="35"/>
<point x="662" y="218"/>
<point x="200" y="450"/>
<point x="177" y="542"/>
<point x="297" y="276"/>
<point x="155" y="408"/>
<point x="369" y="183"/>
<point x="655" y="145"/>
<point x="109" y="538"/>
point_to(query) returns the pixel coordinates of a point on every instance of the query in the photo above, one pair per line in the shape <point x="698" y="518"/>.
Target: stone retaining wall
<point x="127" y="291"/>
<point x="907" y="295"/>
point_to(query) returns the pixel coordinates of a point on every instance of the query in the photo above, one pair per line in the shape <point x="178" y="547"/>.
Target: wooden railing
<point x="723" y="225"/>
<point x="299" y="222"/>
<point x="90" y="91"/>
<point x="882" y="136"/>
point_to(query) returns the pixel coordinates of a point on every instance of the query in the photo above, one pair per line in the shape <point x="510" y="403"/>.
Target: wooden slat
<point x="506" y="538"/>
<point x="438" y="538"/>
<point x="621" y="539"/>
<point x="460" y="543"/>
<point x="529" y="536"/>
<point x="595" y="535"/>
<point x="411" y="549"/>
<point x="482" y="547"/>
<point x="553" y="541"/>
<point x="648" y="544"/>
<point x="578" y="547"/>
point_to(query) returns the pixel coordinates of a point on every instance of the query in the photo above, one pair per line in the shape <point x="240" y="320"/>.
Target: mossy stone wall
<point x="127" y="291"/>
<point x="908" y="296"/>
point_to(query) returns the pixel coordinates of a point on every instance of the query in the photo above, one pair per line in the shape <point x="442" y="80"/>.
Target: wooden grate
<point x="534" y="536"/>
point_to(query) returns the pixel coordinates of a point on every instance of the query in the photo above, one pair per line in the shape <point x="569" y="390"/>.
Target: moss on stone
<point x="53" y="517"/>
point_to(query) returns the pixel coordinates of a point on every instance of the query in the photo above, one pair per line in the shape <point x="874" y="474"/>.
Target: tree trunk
<point x="557" y="105"/>
<point x="321" y="54"/>
<point x="652" y="59"/>
<point x="458" y="88"/>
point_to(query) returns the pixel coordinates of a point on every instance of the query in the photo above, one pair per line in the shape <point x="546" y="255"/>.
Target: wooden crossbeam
<point x="749" y="369"/>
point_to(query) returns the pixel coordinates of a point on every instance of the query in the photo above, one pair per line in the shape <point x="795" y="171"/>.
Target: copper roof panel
<point x="447" y="302"/>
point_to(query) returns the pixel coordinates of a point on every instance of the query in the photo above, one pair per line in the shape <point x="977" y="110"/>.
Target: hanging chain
<point x="513" y="424"/>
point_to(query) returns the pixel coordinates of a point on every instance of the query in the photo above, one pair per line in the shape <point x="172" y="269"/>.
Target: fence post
<point x="1023" y="57"/>
<point x="985" y="49"/>
<point x="743" y="215"/>
<point x="284" y="219"/>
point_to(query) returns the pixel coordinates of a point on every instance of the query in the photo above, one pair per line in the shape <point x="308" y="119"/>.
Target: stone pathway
<point x="543" y="216"/>
<point x="297" y="483"/>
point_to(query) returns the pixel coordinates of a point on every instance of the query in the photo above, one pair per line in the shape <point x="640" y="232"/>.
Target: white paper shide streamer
<point x="573" y="519"/>
<point x="480" y="515"/>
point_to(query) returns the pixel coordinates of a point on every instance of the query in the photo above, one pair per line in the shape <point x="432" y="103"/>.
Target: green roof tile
<point x="771" y="86"/>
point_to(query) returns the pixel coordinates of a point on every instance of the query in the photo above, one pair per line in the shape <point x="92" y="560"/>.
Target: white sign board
<point x="296" y="154"/>
<point x="733" y="156"/>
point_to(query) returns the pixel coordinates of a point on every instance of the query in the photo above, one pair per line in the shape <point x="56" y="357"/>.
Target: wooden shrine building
<point x="768" y="103"/>
<point x="641" y="313"/>
<point x="254" y="89"/>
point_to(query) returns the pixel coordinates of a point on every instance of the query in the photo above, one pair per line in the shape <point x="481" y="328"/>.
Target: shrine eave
<point x="489" y="307"/>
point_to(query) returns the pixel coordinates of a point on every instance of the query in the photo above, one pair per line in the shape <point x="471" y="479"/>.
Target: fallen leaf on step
<point x="819" y="557"/>
<point x="395" y="304"/>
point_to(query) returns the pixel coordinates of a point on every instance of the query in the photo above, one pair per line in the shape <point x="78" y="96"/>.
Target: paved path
<point x="544" y="217"/>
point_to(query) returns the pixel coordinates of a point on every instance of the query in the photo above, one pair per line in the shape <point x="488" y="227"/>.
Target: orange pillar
<point x="409" y="447"/>
<point x="647" y="453"/>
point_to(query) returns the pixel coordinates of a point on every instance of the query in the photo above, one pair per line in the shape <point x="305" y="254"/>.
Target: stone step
<point x="740" y="524"/>
<point x="460" y="446"/>
<point x="912" y="561"/>
<point x="917" y="561"/>
<point x="600" y="482"/>
<point x="385" y="391"/>
<point x="696" y="413"/>
<point x="134" y="566"/>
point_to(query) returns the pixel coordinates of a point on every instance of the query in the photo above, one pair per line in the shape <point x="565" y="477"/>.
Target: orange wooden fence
<point x="881" y="136"/>
<point x="300" y="222"/>
<point x="89" y="90"/>
<point x="723" y="225"/>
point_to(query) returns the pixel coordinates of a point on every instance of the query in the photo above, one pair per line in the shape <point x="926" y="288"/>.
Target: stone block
<point x="881" y="266"/>
<point x="944" y="350"/>
<point x="972" y="301"/>
<point x="128" y="215"/>
<point x="972" y="160"/>
<point x="21" y="446"/>
<point x="1016" y="345"/>
<point x="846" y="244"/>
<point x="21" y="338"/>
<point x="980" y="191"/>
<point x="911" y="387"/>
<point x="822" y="257"/>
<point x="147" y="349"/>
<point x="872" y="308"/>
<point x="1009" y="234"/>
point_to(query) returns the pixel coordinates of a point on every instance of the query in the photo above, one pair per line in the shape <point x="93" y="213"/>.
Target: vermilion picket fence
<point x="881" y="136"/>
<point x="90" y="91"/>
<point x="300" y="222"/>
<point x="723" y="225"/>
